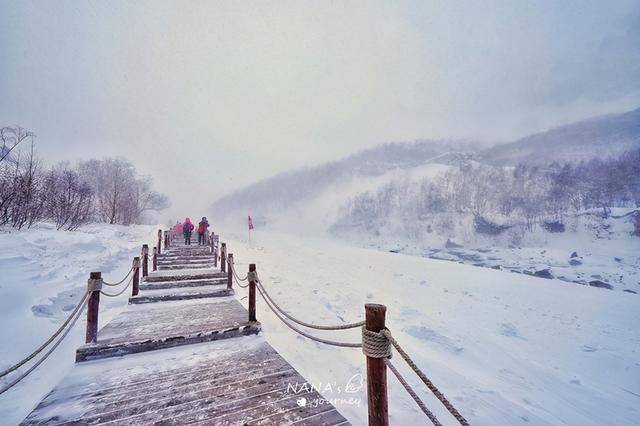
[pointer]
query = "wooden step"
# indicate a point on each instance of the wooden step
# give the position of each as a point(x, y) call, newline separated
point(242, 381)
point(182, 284)
point(190, 266)
point(182, 277)
point(147, 327)
point(186, 260)
point(188, 293)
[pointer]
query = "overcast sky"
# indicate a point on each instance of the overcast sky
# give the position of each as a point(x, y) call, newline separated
point(208, 96)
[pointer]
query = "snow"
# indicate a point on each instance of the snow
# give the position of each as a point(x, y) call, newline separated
point(505, 348)
point(44, 274)
point(605, 247)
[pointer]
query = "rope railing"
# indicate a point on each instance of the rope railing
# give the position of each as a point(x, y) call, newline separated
point(282, 311)
point(72, 319)
point(121, 281)
point(91, 299)
point(376, 345)
point(424, 378)
point(305, 334)
point(118, 293)
point(48, 341)
point(306, 324)
point(236, 277)
point(412, 393)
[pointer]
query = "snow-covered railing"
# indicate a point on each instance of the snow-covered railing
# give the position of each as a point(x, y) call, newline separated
point(376, 344)
point(90, 299)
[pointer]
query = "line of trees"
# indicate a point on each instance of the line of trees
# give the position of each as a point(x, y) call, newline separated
point(107, 190)
point(524, 195)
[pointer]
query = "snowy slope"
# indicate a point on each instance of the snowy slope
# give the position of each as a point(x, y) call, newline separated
point(318, 214)
point(43, 273)
point(508, 349)
point(598, 137)
point(296, 188)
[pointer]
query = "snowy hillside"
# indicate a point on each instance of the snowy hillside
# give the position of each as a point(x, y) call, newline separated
point(415, 197)
point(44, 274)
point(297, 187)
point(509, 349)
point(598, 137)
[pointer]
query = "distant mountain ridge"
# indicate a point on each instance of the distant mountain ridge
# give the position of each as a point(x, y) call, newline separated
point(602, 136)
point(293, 187)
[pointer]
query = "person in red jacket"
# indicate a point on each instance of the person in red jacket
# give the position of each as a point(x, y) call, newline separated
point(202, 231)
point(187, 229)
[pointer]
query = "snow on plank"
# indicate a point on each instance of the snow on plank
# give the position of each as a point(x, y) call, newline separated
point(160, 285)
point(185, 274)
point(154, 326)
point(239, 381)
point(169, 294)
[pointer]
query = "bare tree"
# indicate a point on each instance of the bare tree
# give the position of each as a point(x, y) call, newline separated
point(11, 137)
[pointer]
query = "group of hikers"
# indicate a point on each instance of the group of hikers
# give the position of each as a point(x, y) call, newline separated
point(186, 229)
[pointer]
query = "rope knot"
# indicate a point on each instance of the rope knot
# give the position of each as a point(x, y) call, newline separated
point(252, 276)
point(375, 344)
point(94, 284)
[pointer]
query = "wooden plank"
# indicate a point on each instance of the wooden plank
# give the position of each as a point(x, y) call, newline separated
point(191, 266)
point(183, 283)
point(155, 296)
point(241, 381)
point(189, 275)
point(154, 326)
point(162, 381)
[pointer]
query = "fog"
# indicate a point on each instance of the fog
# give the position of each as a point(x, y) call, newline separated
point(210, 96)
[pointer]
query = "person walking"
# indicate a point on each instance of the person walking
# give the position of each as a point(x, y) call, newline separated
point(187, 229)
point(202, 231)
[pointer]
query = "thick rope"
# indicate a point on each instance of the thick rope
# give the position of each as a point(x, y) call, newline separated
point(49, 352)
point(307, 335)
point(120, 292)
point(121, 281)
point(232, 266)
point(45, 344)
point(375, 344)
point(413, 394)
point(426, 380)
point(306, 324)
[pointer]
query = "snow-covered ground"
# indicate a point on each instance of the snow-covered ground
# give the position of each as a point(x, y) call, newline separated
point(506, 348)
point(606, 253)
point(43, 274)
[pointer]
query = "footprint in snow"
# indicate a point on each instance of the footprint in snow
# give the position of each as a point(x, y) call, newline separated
point(588, 348)
point(510, 330)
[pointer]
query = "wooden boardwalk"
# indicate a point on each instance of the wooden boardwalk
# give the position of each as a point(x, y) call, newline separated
point(182, 352)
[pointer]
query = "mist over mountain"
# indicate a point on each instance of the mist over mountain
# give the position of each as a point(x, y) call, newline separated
point(308, 191)
point(599, 137)
point(288, 189)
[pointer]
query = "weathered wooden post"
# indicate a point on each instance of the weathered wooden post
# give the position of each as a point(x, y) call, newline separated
point(376, 370)
point(166, 240)
point(159, 241)
point(230, 271)
point(155, 258)
point(223, 255)
point(252, 292)
point(214, 249)
point(94, 285)
point(145, 260)
point(136, 276)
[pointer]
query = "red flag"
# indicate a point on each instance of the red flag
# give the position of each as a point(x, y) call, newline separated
point(250, 222)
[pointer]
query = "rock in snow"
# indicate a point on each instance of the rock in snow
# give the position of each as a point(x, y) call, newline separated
point(600, 284)
point(544, 273)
